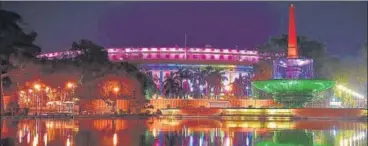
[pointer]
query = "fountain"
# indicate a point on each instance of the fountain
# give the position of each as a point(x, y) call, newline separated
point(293, 84)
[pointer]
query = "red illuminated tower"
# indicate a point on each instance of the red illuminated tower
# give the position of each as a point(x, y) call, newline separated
point(292, 40)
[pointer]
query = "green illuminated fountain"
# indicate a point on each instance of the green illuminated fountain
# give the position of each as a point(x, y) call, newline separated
point(293, 84)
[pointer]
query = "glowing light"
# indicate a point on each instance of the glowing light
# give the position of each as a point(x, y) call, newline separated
point(336, 103)
point(227, 141)
point(69, 85)
point(28, 137)
point(37, 87)
point(271, 125)
point(167, 53)
point(228, 88)
point(115, 139)
point(45, 139)
point(360, 136)
point(154, 132)
point(349, 91)
point(68, 142)
point(20, 136)
point(116, 89)
point(191, 141)
point(47, 89)
point(35, 140)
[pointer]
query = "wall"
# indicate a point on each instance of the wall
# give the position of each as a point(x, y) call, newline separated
point(100, 106)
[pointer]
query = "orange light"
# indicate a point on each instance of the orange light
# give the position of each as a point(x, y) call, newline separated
point(116, 89)
point(47, 89)
point(70, 85)
point(30, 90)
point(37, 87)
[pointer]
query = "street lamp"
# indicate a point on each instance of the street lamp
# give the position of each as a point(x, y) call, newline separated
point(70, 85)
point(37, 87)
point(116, 89)
point(47, 89)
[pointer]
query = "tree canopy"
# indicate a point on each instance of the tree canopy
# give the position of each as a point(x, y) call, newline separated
point(307, 48)
point(14, 41)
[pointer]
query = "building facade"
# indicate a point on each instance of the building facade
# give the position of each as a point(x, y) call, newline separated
point(162, 62)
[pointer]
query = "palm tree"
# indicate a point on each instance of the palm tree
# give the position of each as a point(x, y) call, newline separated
point(185, 75)
point(13, 41)
point(214, 79)
point(171, 86)
point(240, 86)
point(197, 81)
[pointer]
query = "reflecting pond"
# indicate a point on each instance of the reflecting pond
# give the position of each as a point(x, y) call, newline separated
point(183, 132)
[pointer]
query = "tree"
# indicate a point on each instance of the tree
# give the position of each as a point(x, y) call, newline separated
point(198, 80)
point(90, 52)
point(171, 85)
point(307, 48)
point(361, 72)
point(13, 41)
point(185, 75)
point(263, 71)
point(214, 79)
point(239, 86)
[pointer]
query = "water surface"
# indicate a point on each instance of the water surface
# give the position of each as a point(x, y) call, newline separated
point(188, 132)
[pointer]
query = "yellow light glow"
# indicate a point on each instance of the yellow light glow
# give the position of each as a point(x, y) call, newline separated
point(116, 89)
point(37, 87)
point(47, 89)
point(228, 88)
point(69, 85)
point(349, 91)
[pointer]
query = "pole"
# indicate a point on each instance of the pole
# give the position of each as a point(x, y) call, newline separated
point(185, 46)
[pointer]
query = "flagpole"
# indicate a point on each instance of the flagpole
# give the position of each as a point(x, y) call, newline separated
point(185, 46)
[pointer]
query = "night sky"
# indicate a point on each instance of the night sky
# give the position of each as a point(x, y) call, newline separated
point(341, 26)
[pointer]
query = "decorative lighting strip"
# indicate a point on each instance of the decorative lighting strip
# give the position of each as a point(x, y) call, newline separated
point(207, 54)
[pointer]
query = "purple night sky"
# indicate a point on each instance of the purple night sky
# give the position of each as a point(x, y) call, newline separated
point(341, 26)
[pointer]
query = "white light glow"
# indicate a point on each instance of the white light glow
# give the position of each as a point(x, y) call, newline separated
point(35, 140)
point(45, 139)
point(335, 103)
point(115, 139)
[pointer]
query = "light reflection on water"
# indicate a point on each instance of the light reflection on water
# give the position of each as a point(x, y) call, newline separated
point(194, 132)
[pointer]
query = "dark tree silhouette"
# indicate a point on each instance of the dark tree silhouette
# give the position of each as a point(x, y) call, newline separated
point(14, 42)
point(307, 48)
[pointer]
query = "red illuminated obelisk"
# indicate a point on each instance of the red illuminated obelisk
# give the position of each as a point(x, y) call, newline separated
point(292, 41)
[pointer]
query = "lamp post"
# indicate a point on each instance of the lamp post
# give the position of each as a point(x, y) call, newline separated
point(70, 85)
point(116, 91)
point(37, 87)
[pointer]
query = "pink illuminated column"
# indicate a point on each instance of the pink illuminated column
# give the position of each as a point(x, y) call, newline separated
point(292, 40)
